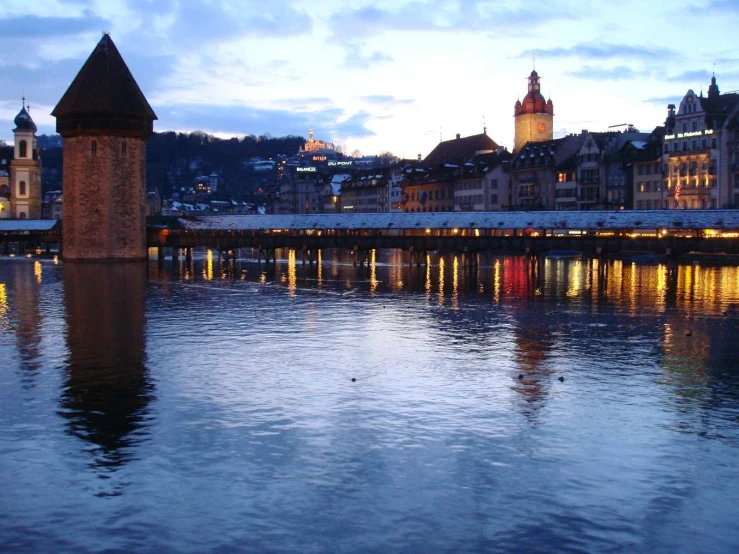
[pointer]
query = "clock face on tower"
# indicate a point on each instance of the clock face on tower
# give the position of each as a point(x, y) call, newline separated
point(541, 127)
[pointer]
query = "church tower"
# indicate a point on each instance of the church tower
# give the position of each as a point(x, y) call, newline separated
point(105, 120)
point(534, 116)
point(25, 169)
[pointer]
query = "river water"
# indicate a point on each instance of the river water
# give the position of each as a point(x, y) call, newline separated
point(330, 408)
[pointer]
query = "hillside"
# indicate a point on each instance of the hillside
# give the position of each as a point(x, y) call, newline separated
point(174, 160)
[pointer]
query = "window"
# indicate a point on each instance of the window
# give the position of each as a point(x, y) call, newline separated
point(23, 149)
point(694, 126)
point(685, 127)
point(94, 148)
point(22, 188)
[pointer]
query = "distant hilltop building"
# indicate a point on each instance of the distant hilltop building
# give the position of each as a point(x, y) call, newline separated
point(20, 171)
point(534, 116)
point(314, 145)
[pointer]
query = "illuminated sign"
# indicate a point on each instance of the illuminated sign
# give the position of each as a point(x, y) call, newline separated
point(344, 164)
point(306, 169)
point(688, 135)
point(319, 158)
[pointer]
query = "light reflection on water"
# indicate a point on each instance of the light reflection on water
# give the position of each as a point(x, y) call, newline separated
point(566, 406)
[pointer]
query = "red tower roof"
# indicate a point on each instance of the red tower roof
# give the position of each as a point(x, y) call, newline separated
point(534, 101)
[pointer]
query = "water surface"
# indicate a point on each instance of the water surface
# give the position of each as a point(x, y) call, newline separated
point(571, 407)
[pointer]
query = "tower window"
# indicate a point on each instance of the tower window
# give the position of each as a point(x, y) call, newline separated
point(94, 148)
point(22, 188)
point(23, 149)
point(124, 149)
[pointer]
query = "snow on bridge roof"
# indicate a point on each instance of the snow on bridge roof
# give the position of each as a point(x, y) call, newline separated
point(627, 219)
point(23, 225)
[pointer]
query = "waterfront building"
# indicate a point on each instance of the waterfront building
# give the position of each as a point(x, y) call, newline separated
point(53, 205)
point(367, 191)
point(20, 171)
point(105, 120)
point(533, 174)
point(699, 142)
point(534, 116)
point(430, 190)
point(647, 172)
point(430, 186)
point(395, 182)
point(300, 192)
point(483, 183)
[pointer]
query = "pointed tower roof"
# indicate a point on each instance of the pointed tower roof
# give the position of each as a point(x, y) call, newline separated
point(104, 98)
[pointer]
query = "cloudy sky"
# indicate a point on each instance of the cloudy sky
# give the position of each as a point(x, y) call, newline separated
point(375, 75)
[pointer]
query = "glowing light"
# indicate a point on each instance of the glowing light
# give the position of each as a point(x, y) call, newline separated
point(373, 272)
point(455, 284)
point(4, 308)
point(496, 280)
point(37, 271)
point(292, 273)
point(208, 269)
point(441, 281)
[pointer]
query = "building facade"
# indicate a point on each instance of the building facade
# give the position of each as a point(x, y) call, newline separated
point(698, 147)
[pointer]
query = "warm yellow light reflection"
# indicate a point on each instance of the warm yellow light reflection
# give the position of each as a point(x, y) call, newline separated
point(441, 281)
point(428, 277)
point(455, 283)
point(373, 272)
point(208, 268)
point(319, 268)
point(496, 280)
point(37, 270)
point(56, 260)
point(292, 273)
point(4, 323)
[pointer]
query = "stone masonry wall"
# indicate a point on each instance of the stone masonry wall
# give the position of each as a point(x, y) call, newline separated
point(104, 211)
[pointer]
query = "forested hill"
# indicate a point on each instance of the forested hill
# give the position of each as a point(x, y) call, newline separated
point(174, 159)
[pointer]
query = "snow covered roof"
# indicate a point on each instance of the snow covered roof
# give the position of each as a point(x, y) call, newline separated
point(627, 219)
point(13, 225)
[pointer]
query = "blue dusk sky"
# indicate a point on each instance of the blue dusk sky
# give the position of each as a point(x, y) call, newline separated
point(375, 75)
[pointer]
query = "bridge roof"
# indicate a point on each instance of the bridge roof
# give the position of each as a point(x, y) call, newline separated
point(23, 225)
point(627, 219)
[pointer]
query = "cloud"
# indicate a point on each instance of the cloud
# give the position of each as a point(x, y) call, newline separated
point(442, 15)
point(204, 21)
point(602, 52)
point(355, 58)
point(244, 120)
point(664, 100)
point(32, 26)
point(45, 82)
point(607, 74)
point(691, 76)
point(386, 100)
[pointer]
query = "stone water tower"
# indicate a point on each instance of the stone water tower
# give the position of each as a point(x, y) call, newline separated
point(105, 120)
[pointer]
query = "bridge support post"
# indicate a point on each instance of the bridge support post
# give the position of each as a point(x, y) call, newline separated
point(175, 255)
point(160, 255)
point(188, 256)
